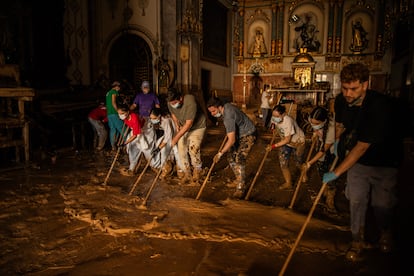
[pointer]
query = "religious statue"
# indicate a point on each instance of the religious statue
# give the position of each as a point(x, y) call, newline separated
point(307, 35)
point(258, 46)
point(359, 41)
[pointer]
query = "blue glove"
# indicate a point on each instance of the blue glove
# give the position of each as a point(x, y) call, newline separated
point(328, 177)
point(336, 147)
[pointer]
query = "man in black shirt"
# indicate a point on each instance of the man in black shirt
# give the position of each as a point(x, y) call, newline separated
point(373, 146)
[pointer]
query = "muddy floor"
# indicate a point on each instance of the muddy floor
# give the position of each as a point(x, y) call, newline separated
point(61, 218)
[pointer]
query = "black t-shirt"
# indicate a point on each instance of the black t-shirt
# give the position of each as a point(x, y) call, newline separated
point(374, 122)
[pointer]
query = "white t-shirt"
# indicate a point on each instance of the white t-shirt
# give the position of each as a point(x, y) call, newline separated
point(265, 100)
point(289, 126)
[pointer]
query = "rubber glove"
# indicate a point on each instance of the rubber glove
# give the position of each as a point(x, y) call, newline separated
point(328, 177)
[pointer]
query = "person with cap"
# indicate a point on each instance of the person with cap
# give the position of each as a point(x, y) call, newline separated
point(190, 121)
point(241, 136)
point(114, 123)
point(145, 101)
point(97, 117)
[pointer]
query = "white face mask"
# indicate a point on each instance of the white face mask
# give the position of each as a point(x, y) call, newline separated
point(276, 120)
point(122, 116)
point(217, 115)
point(317, 127)
point(176, 105)
point(155, 121)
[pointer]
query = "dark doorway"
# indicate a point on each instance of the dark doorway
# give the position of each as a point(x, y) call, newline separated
point(130, 61)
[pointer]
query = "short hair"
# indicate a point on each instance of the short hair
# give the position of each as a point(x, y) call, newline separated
point(319, 113)
point(355, 72)
point(123, 107)
point(215, 101)
point(173, 94)
point(280, 109)
point(156, 111)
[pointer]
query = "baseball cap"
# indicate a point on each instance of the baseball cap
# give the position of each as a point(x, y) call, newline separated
point(145, 84)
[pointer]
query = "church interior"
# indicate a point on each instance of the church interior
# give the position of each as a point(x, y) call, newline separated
point(60, 56)
point(58, 59)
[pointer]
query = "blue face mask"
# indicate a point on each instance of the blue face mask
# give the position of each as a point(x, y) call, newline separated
point(276, 120)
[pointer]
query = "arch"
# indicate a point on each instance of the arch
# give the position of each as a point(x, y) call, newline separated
point(130, 54)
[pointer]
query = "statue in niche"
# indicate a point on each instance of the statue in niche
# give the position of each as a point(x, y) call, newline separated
point(258, 46)
point(307, 37)
point(359, 41)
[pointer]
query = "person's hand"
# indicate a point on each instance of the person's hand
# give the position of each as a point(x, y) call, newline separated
point(336, 147)
point(269, 147)
point(217, 157)
point(328, 177)
point(155, 151)
point(306, 166)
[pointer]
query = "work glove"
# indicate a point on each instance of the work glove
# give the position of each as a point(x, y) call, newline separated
point(328, 177)
point(217, 157)
point(269, 147)
point(155, 151)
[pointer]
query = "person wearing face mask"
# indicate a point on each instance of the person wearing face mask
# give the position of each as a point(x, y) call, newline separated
point(145, 101)
point(241, 136)
point(138, 140)
point(373, 157)
point(163, 155)
point(323, 125)
point(292, 141)
point(190, 122)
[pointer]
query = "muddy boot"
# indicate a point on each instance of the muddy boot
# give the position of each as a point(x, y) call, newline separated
point(167, 170)
point(354, 253)
point(385, 242)
point(288, 180)
point(239, 193)
point(330, 199)
point(198, 175)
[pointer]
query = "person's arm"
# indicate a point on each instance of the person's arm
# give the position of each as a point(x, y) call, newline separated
point(133, 106)
point(318, 155)
point(183, 129)
point(231, 139)
point(353, 156)
point(114, 102)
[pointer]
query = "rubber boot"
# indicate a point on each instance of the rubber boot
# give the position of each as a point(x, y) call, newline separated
point(198, 175)
point(288, 180)
point(240, 189)
point(385, 242)
point(354, 253)
point(166, 169)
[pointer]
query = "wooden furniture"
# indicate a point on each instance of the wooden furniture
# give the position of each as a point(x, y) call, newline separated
point(12, 122)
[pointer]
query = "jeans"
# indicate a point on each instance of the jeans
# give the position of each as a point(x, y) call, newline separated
point(100, 131)
point(116, 127)
point(371, 184)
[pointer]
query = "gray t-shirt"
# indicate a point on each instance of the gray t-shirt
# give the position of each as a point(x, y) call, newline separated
point(237, 121)
point(189, 111)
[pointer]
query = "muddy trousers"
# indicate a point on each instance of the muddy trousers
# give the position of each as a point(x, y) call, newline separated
point(237, 158)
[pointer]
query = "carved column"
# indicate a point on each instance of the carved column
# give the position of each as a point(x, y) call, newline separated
point(331, 24)
point(338, 33)
point(279, 44)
